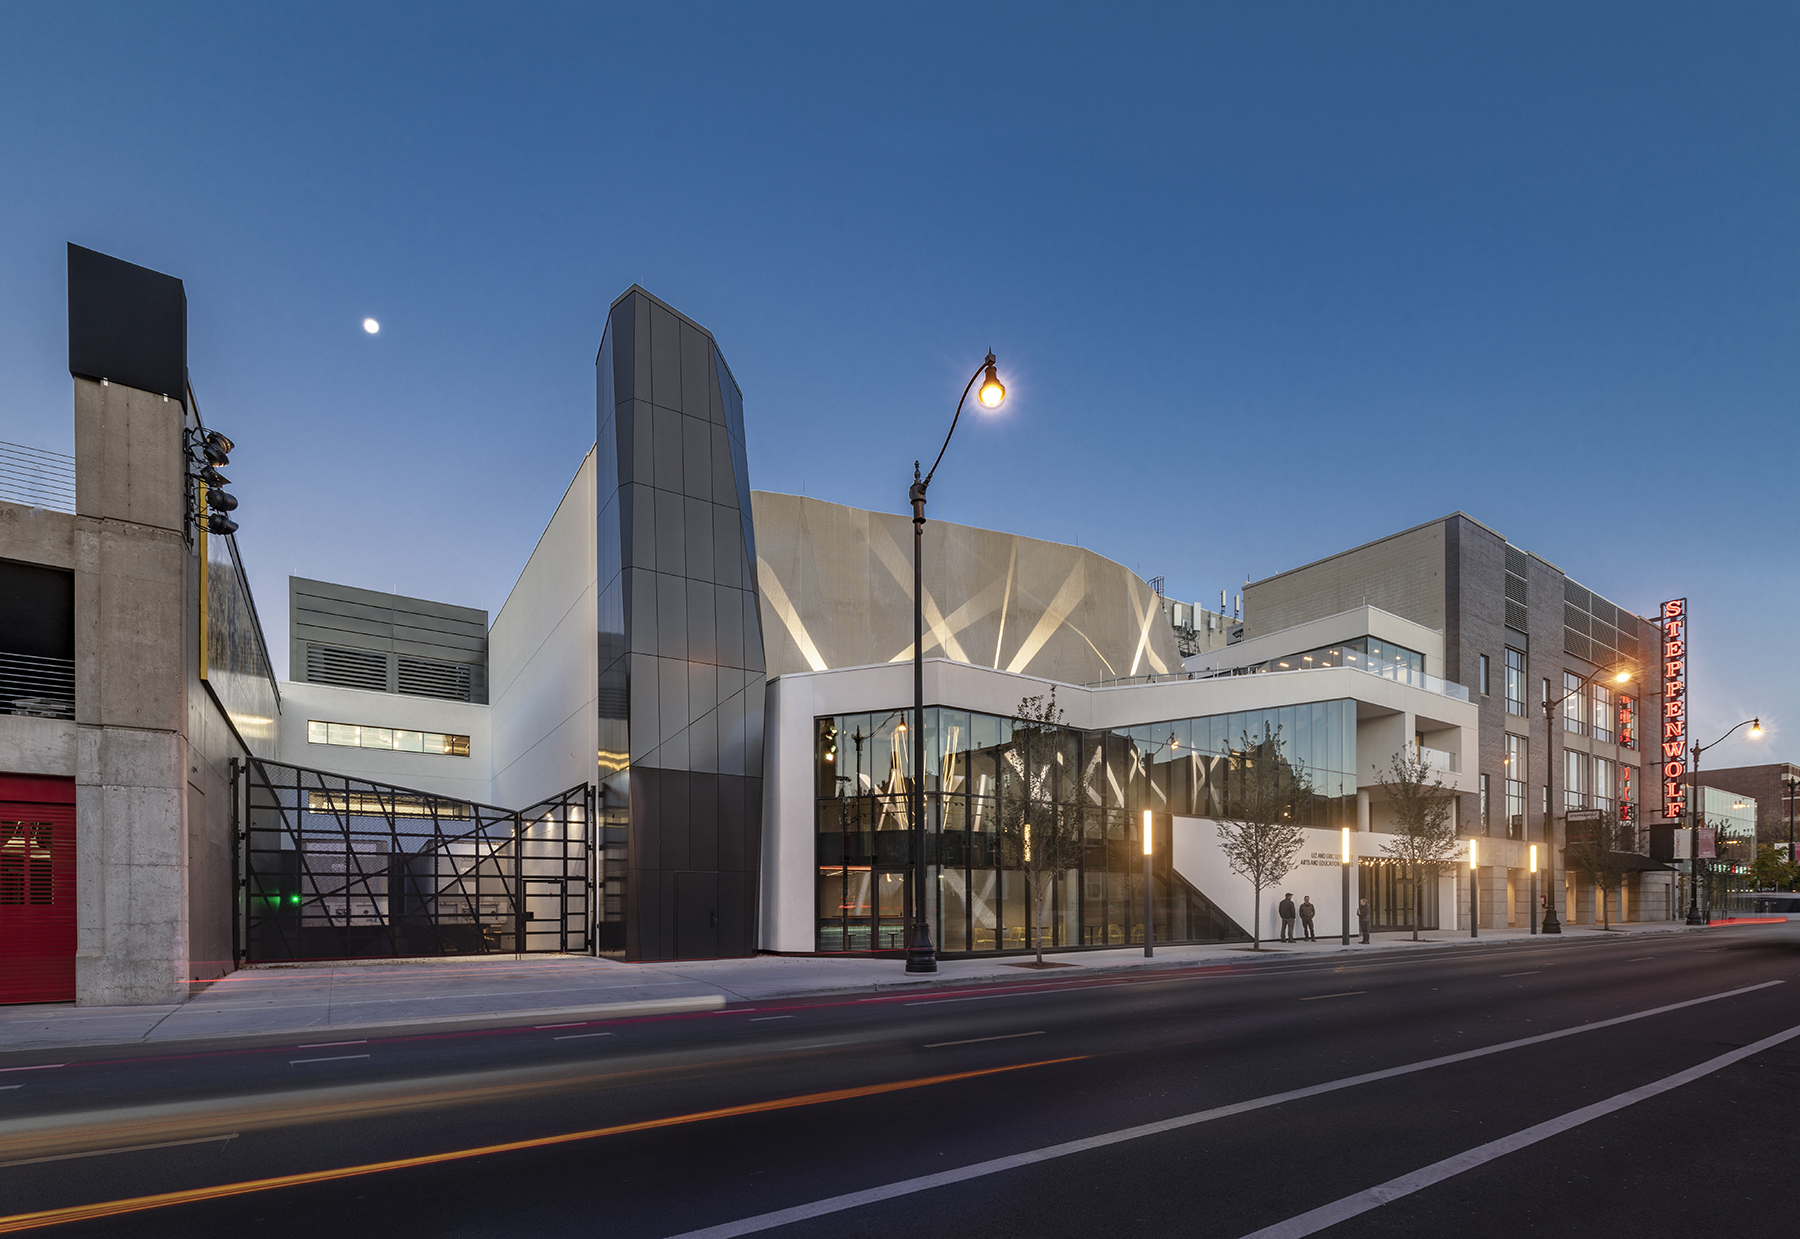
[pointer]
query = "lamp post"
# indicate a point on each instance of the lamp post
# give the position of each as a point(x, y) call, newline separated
point(1531, 862)
point(1344, 865)
point(921, 956)
point(1793, 789)
point(1474, 892)
point(1694, 916)
point(1621, 672)
point(1149, 894)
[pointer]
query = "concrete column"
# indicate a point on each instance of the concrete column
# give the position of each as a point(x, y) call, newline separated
point(130, 697)
point(1362, 810)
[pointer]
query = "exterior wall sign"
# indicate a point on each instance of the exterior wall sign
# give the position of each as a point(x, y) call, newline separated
point(1674, 711)
point(1627, 796)
point(1626, 726)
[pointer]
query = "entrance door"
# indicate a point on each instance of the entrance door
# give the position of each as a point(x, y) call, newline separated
point(696, 916)
point(546, 914)
point(37, 890)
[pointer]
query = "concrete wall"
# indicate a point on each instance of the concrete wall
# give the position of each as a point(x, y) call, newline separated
point(31, 535)
point(543, 661)
point(1402, 573)
point(837, 592)
point(1328, 630)
point(131, 584)
point(466, 778)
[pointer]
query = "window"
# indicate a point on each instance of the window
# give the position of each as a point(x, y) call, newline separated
point(1575, 779)
point(1575, 711)
point(1514, 786)
point(1603, 784)
point(355, 736)
point(1515, 681)
point(1484, 804)
point(1484, 675)
point(1603, 713)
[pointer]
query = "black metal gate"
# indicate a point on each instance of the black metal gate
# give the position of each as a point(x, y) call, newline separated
point(335, 867)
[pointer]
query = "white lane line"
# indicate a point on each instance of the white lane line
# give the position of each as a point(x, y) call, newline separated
point(1640, 959)
point(581, 1036)
point(1316, 1220)
point(1532, 973)
point(924, 1183)
point(820, 1045)
point(570, 1024)
point(36, 1067)
point(933, 1002)
point(9, 1087)
point(326, 1045)
point(1349, 993)
point(335, 1058)
point(127, 1148)
point(759, 1019)
point(972, 1040)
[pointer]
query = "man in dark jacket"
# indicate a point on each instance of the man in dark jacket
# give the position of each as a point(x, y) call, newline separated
point(1362, 919)
point(1307, 912)
point(1286, 911)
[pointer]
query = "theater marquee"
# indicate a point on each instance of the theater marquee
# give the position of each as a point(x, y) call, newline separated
point(1674, 711)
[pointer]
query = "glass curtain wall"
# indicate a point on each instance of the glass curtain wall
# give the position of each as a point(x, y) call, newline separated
point(977, 896)
point(1371, 654)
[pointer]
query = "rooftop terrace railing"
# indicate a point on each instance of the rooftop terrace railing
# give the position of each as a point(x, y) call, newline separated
point(1399, 674)
point(33, 476)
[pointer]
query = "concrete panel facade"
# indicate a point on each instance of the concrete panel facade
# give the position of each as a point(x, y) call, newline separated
point(31, 535)
point(1402, 574)
point(837, 592)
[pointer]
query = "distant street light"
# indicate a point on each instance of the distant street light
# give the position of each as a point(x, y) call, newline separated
point(1694, 917)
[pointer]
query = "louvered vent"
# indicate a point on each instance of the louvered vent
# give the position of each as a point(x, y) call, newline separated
point(1515, 561)
point(1515, 589)
point(1628, 647)
point(1604, 634)
point(1574, 617)
point(1517, 617)
point(422, 677)
point(1577, 646)
point(330, 664)
point(1575, 595)
point(1604, 611)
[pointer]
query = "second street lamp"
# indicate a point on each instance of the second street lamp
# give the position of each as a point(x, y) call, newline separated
point(1694, 915)
point(1620, 673)
point(921, 956)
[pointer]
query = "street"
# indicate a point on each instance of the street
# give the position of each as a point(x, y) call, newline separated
point(944, 1112)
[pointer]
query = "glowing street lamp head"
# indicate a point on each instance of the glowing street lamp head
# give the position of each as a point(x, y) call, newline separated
point(1346, 845)
point(1472, 860)
point(993, 391)
point(371, 326)
point(1622, 677)
point(1756, 729)
point(1146, 832)
point(1533, 861)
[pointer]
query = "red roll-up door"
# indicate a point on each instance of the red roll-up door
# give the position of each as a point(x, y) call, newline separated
point(37, 889)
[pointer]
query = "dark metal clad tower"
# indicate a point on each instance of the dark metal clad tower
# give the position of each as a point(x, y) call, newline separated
point(680, 640)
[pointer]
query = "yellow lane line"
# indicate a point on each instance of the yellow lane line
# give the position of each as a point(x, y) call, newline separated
point(111, 1208)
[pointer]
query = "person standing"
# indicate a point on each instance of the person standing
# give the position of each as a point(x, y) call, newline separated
point(1285, 909)
point(1362, 919)
point(1307, 912)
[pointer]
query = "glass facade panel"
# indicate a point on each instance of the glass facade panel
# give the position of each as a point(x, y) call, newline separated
point(1575, 704)
point(1602, 713)
point(1515, 681)
point(976, 887)
point(351, 735)
point(1514, 785)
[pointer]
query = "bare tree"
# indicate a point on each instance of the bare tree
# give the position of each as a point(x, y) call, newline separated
point(1042, 818)
point(1257, 831)
point(1602, 850)
point(1423, 832)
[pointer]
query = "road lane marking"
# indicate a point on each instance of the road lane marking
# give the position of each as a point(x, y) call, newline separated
point(936, 1045)
point(1316, 1220)
point(821, 1045)
point(1640, 959)
point(759, 1019)
point(137, 1204)
point(580, 1036)
point(325, 1045)
point(571, 1024)
point(1532, 973)
point(924, 1183)
point(126, 1148)
point(36, 1067)
point(335, 1058)
point(1349, 993)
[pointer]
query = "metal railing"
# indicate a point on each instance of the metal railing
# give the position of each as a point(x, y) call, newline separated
point(33, 476)
point(39, 687)
point(1401, 675)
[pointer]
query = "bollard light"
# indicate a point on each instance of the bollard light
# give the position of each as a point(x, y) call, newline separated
point(1532, 862)
point(1146, 832)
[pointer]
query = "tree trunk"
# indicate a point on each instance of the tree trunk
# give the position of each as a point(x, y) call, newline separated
point(1037, 902)
point(1418, 896)
point(1256, 920)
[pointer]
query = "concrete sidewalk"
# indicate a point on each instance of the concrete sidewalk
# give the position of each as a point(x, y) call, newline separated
point(329, 998)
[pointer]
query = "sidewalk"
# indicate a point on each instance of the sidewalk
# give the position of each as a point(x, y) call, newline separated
point(344, 996)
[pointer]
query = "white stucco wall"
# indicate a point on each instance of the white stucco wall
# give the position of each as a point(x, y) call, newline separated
point(467, 778)
point(542, 659)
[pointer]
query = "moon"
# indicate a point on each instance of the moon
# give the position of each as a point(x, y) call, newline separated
point(371, 326)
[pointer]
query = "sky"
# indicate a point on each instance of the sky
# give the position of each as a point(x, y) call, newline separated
point(1265, 281)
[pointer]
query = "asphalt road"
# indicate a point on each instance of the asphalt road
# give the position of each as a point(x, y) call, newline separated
point(1657, 1091)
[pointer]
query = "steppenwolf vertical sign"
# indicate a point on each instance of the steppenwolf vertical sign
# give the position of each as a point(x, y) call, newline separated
point(1674, 698)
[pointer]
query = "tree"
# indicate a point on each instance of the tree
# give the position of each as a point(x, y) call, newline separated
point(1257, 831)
point(1602, 850)
point(1423, 832)
point(1042, 818)
point(1772, 870)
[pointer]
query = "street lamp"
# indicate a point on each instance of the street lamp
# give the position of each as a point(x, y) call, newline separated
point(1149, 894)
point(1532, 863)
point(1793, 789)
point(921, 956)
point(1693, 916)
point(1474, 892)
point(1344, 867)
point(1619, 673)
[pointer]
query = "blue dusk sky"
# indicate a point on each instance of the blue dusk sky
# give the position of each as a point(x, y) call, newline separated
point(1266, 280)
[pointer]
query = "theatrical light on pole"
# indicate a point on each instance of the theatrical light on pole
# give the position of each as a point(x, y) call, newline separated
point(1344, 874)
point(1146, 832)
point(1533, 861)
point(1474, 893)
point(1531, 887)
